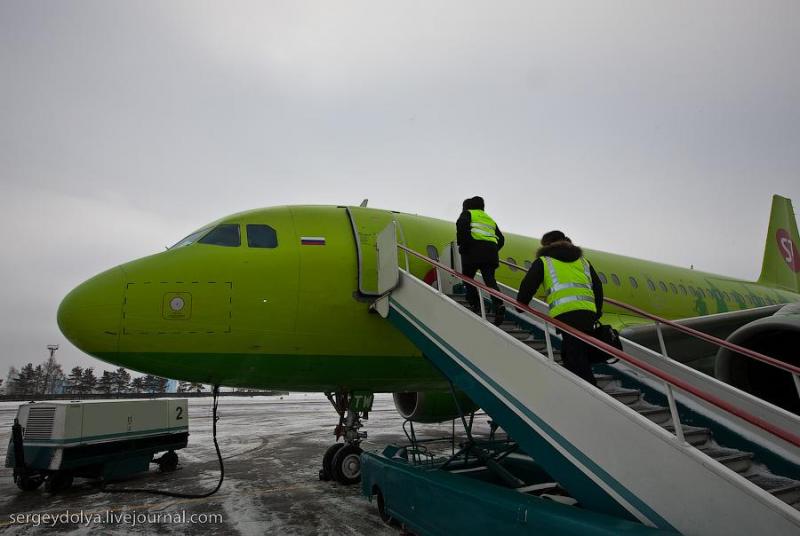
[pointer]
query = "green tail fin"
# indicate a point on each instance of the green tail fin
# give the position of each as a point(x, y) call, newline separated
point(781, 266)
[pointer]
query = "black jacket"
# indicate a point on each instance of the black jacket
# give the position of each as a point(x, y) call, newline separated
point(477, 251)
point(565, 252)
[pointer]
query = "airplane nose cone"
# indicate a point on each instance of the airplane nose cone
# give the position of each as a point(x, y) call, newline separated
point(90, 316)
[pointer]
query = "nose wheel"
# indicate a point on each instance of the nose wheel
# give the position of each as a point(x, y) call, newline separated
point(342, 461)
point(346, 465)
point(326, 473)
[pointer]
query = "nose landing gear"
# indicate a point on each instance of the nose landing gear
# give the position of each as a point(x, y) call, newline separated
point(342, 461)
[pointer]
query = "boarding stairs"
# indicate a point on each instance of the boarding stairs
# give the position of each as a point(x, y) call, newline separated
point(740, 461)
point(621, 449)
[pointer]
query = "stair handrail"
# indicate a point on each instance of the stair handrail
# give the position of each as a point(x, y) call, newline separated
point(667, 378)
point(752, 354)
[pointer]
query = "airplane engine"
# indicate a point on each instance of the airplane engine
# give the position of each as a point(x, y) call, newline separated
point(434, 406)
point(777, 336)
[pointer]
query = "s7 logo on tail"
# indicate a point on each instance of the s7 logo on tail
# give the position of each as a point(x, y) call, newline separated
point(788, 249)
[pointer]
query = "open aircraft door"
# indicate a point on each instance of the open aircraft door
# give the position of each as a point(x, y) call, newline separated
point(367, 224)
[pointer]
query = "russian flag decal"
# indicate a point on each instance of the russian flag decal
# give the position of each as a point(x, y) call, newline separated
point(312, 240)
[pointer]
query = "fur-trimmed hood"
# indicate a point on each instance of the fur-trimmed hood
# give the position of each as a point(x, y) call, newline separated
point(562, 250)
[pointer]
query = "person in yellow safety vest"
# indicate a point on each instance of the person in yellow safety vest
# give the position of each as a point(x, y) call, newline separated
point(479, 241)
point(574, 295)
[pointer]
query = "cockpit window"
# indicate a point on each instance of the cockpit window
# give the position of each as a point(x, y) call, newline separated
point(261, 236)
point(226, 234)
point(191, 239)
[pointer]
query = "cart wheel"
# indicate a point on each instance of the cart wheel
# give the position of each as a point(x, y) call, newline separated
point(168, 462)
point(326, 472)
point(29, 482)
point(385, 516)
point(346, 465)
point(58, 481)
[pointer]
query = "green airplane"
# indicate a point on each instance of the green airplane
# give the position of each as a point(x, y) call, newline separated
point(279, 298)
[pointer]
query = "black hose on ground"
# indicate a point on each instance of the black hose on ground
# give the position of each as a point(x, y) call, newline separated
point(187, 495)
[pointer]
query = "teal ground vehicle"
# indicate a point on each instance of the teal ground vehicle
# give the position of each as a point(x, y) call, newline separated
point(472, 494)
point(53, 442)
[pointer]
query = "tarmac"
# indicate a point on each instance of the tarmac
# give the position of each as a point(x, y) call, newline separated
point(272, 449)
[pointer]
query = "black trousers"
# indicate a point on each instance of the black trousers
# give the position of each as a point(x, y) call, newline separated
point(574, 352)
point(487, 271)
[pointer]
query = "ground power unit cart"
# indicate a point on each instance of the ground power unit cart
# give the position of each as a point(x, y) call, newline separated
point(53, 442)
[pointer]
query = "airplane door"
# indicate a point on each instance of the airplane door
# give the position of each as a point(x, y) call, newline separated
point(367, 224)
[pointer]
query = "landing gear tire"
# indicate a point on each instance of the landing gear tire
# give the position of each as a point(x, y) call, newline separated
point(346, 465)
point(168, 462)
point(58, 481)
point(325, 473)
point(29, 482)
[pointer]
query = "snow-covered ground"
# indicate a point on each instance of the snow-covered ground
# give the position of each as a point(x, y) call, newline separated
point(272, 448)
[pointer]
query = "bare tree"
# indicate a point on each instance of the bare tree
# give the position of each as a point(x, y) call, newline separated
point(12, 375)
point(52, 375)
point(38, 380)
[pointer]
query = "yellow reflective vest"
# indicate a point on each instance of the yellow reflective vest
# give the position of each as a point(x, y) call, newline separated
point(568, 286)
point(482, 226)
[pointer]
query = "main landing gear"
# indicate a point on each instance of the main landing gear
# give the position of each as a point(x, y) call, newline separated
point(342, 461)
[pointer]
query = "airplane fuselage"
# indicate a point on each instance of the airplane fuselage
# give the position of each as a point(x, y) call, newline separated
point(290, 311)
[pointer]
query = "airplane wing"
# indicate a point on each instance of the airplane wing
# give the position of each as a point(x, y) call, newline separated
point(685, 348)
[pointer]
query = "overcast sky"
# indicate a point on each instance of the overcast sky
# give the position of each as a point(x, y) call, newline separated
point(653, 129)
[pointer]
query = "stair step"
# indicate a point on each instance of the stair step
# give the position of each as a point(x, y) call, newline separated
point(541, 347)
point(735, 460)
point(519, 334)
point(658, 414)
point(538, 345)
point(788, 494)
point(506, 325)
point(626, 396)
point(694, 435)
point(785, 489)
point(461, 300)
point(606, 380)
